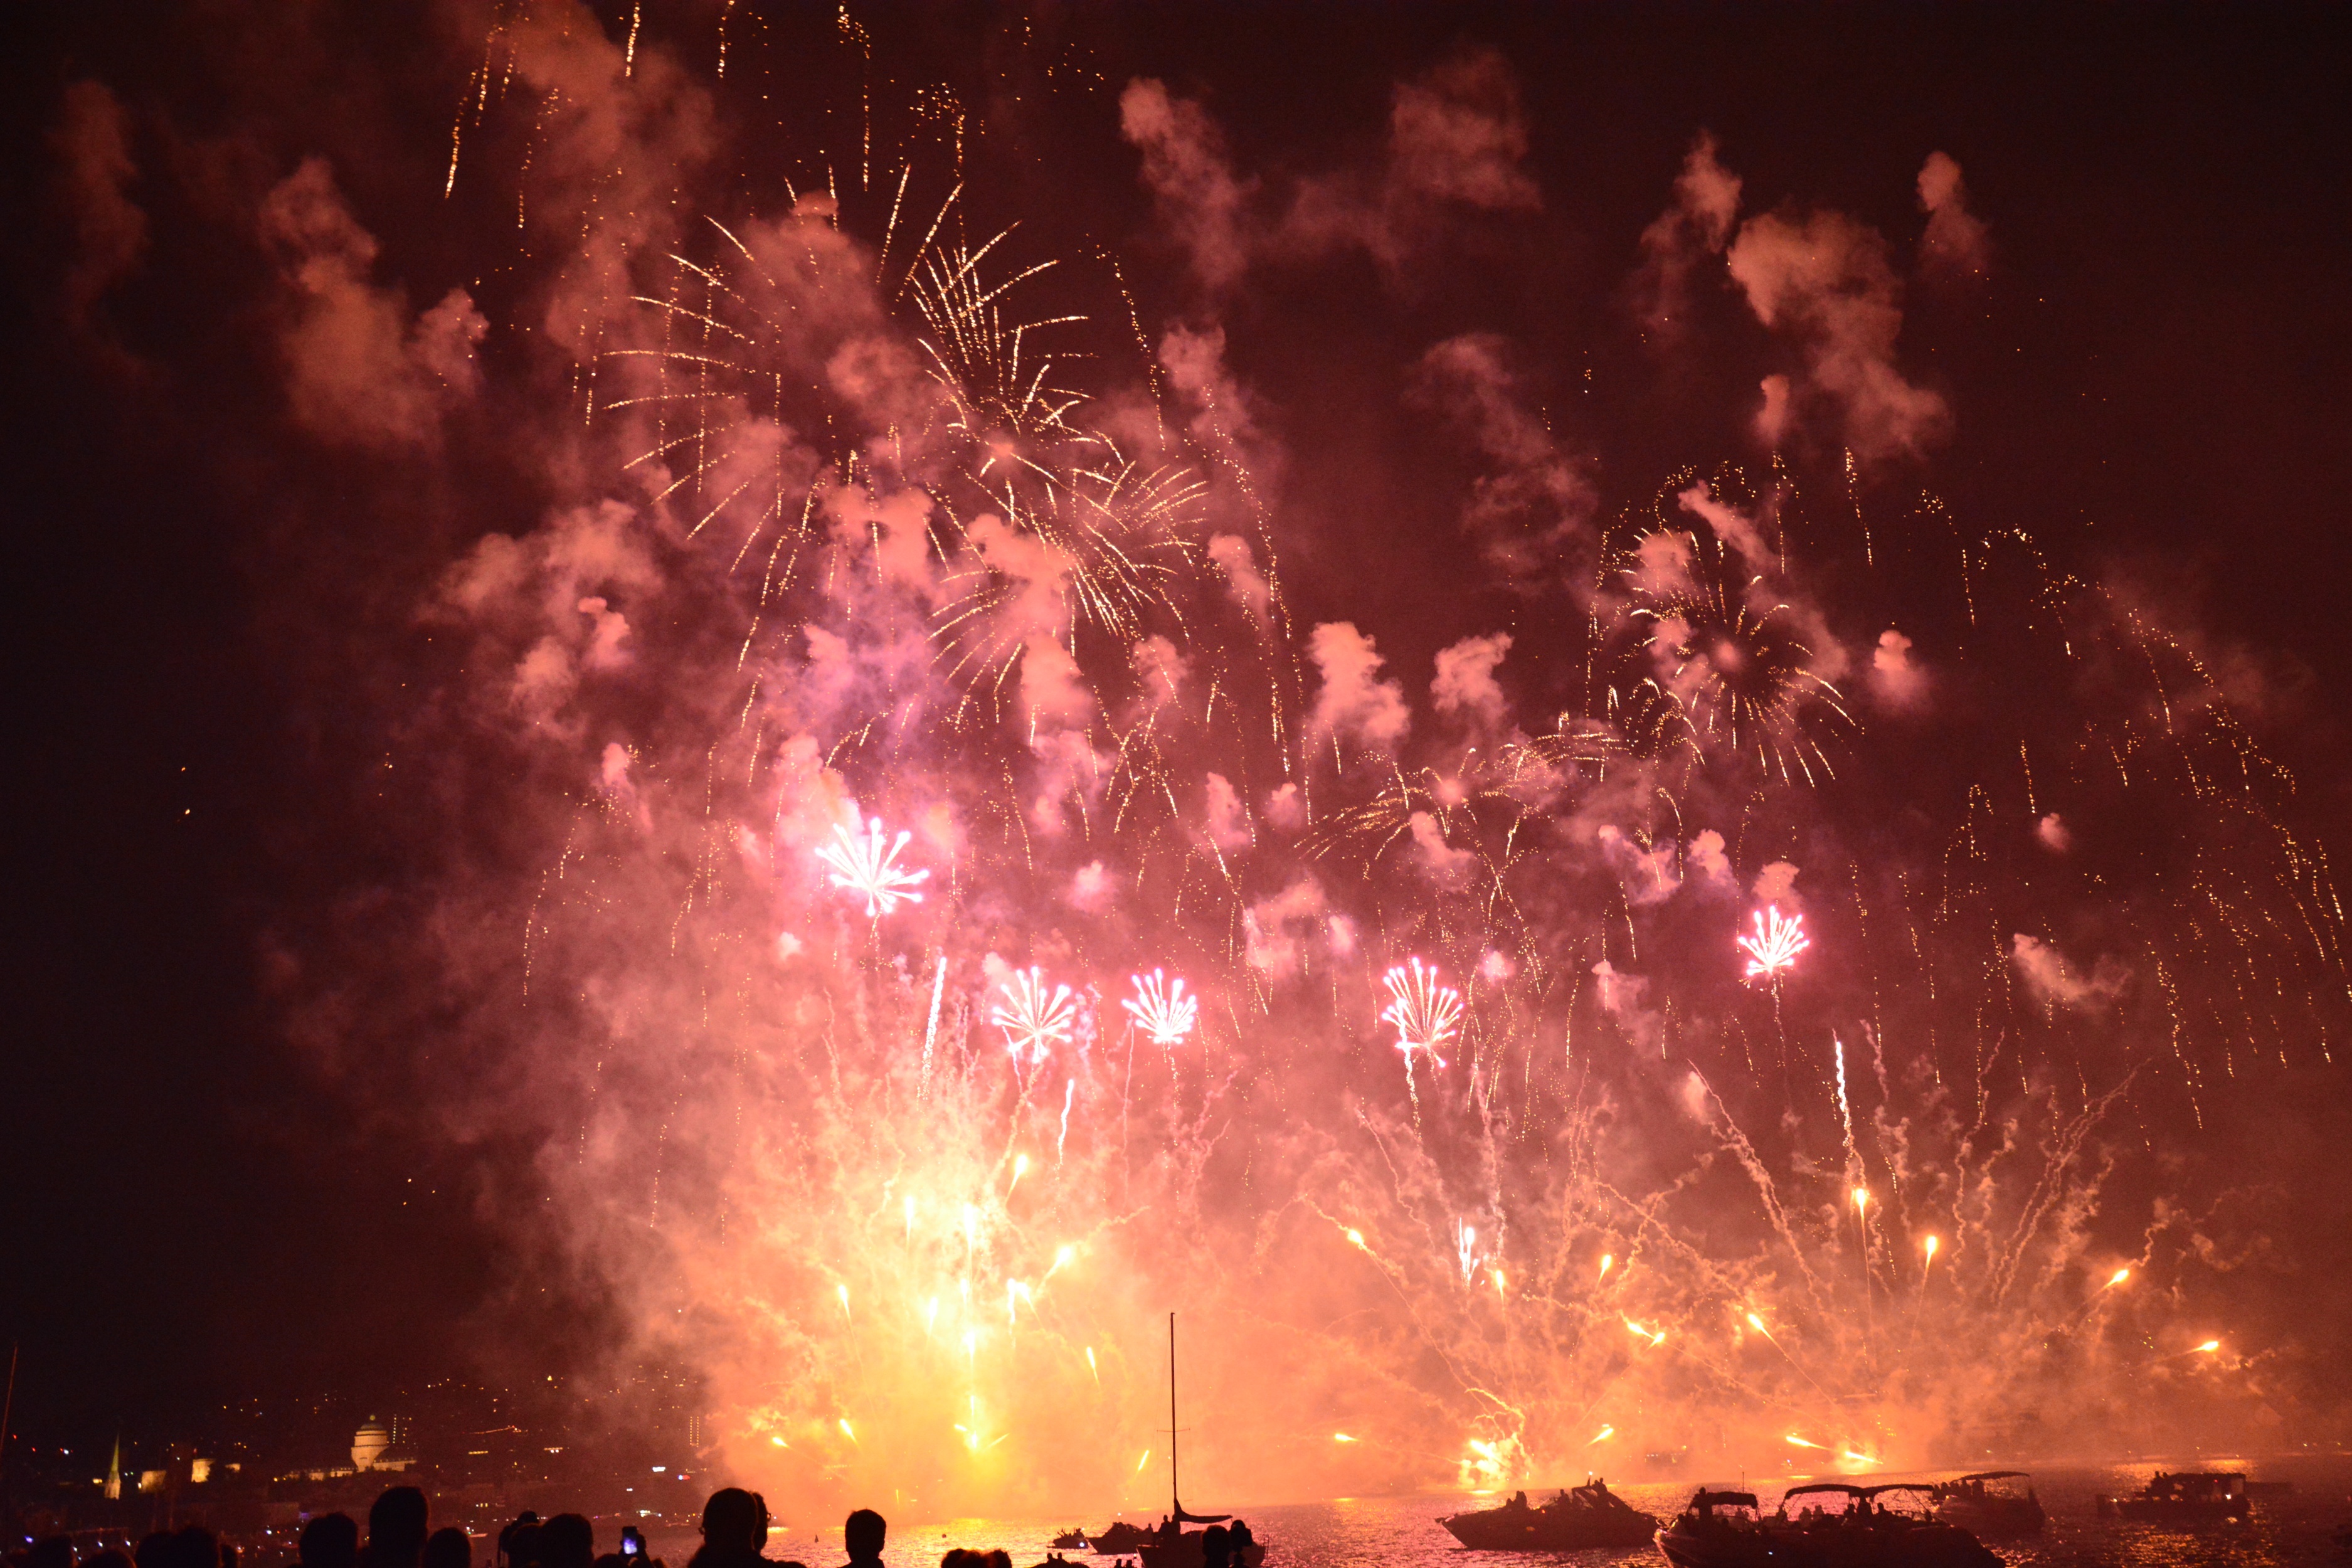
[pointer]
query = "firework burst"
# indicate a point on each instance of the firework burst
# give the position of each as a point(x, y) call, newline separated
point(1773, 945)
point(1425, 1014)
point(1160, 1007)
point(1035, 1021)
point(864, 866)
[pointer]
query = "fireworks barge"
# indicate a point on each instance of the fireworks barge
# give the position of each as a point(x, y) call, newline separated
point(1581, 1517)
point(1726, 1530)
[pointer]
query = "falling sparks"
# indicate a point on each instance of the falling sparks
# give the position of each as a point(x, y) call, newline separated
point(1343, 1438)
point(2118, 1278)
point(866, 868)
point(1773, 946)
point(1601, 1436)
point(1143, 1461)
point(1161, 1008)
point(2209, 1347)
point(1034, 1021)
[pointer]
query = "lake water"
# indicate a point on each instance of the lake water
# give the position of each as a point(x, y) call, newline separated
point(1358, 1532)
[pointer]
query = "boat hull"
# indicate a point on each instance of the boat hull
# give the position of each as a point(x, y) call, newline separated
point(1185, 1552)
point(1994, 1518)
point(1785, 1545)
point(1483, 1534)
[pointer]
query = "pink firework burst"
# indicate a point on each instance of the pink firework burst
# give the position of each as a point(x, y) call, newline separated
point(1773, 946)
point(1034, 1021)
point(1161, 1006)
point(1426, 1014)
point(868, 868)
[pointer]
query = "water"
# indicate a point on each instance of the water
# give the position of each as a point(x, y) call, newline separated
point(1359, 1532)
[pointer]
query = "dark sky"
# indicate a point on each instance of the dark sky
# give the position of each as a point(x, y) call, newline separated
point(2156, 379)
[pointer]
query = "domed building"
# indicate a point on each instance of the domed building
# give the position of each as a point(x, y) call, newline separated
point(369, 1444)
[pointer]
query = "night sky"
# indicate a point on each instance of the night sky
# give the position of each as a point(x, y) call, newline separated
point(213, 624)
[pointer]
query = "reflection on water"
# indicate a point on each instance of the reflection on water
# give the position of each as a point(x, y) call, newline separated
point(1360, 1532)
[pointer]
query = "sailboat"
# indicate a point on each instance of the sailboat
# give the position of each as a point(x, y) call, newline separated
point(1171, 1545)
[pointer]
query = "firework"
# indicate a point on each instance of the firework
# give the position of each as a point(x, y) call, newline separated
point(866, 868)
point(1034, 1022)
point(1425, 1014)
point(1161, 1008)
point(1772, 947)
point(1081, 681)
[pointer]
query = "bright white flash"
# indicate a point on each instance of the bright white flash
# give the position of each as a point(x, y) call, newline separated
point(868, 868)
point(1426, 1014)
point(1161, 1006)
point(1034, 1021)
point(1777, 941)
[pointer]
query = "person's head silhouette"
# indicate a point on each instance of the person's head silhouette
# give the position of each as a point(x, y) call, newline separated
point(329, 1541)
point(397, 1525)
point(735, 1520)
point(448, 1547)
point(567, 1541)
point(862, 1534)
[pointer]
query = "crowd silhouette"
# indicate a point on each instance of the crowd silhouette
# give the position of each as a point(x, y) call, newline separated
point(735, 1531)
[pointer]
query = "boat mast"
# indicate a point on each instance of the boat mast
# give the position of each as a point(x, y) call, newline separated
point(1175, 1492)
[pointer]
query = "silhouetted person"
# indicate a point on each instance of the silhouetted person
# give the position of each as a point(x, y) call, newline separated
point(154, 1549)
point(518, 1542)
point(194, 1546)
point(567, 1541)
point(1242, 1541)
point(449, 1548)
point(112, 1557)
point(861, 1535)
point(51, 1551)
point(734, 1530)
point(1216, 1547)
point(396, 1529)
point(329, 1541)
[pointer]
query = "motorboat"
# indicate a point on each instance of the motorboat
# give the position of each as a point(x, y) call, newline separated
point(1723, 1530)
point(2187, 1498)
point(1118, 1538)
point(1726, 1530)
point(1986, 1510)
point(1580, 1517)
point(1868, 1531)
